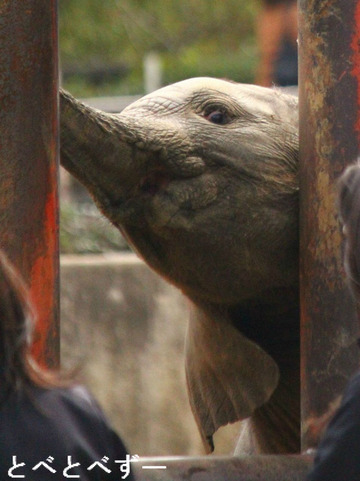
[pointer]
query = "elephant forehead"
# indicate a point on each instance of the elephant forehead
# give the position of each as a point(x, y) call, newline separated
point(176, 97)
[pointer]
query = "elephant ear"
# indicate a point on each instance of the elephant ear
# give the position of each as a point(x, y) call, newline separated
point(228, 376)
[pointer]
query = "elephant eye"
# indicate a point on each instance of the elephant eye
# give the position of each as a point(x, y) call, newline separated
point(217, 116)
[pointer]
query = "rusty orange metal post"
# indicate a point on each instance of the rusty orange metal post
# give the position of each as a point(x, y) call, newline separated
point(329, 96)
point(28, 157)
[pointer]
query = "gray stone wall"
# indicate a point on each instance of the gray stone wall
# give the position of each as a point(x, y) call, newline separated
point(125, 328)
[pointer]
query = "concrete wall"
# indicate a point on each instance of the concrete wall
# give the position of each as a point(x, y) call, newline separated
point(126, 328)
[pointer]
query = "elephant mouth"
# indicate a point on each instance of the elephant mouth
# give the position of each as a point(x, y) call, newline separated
point(154, 182)
point(162, 170)
point(158, 190)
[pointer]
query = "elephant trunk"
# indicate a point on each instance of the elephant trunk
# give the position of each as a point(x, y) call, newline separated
point(96, 148)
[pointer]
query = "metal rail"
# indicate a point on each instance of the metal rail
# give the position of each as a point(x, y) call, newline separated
point(329, 97)
point(224, 468)
point(28, 157)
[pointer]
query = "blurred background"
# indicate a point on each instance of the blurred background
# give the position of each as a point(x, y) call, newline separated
point(105, 45)
point(123, 325)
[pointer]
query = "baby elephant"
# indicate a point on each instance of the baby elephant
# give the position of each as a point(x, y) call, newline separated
point(201, 179)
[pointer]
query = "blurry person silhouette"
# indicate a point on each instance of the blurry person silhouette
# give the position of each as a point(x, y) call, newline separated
point(337, 458)
point(50, 429)
point(276, 31)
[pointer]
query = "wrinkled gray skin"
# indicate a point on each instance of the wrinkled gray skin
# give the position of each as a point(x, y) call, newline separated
point(201, 178)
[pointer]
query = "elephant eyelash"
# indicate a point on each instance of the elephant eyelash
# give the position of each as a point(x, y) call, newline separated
point(217, 114)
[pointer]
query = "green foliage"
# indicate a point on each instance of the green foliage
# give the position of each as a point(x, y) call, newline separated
point(83, 230)
point(194, 38)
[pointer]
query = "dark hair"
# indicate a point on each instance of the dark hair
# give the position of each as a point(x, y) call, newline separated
point(18, 369)
point(349, 208)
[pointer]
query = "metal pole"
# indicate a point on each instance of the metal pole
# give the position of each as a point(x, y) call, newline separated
point(225, 468)
point(28, 157)
point(329, 96)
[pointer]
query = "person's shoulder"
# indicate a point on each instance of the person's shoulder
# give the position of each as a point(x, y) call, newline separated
point(77, 395)
point(79, 400)
point(353, 386)
point(79, 392)
point(350, 402)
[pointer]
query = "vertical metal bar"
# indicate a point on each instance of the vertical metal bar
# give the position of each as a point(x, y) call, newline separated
point(329, 96)
point(28, 157)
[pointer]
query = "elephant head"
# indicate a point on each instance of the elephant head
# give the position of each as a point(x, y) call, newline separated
point(201, 179)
